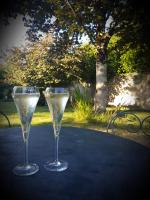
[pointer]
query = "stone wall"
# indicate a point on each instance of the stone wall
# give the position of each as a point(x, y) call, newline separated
point(130, 90)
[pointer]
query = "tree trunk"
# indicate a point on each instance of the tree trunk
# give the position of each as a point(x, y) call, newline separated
point(101, 94)
point(101, 87)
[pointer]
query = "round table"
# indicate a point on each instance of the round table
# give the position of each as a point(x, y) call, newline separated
point(101, 166)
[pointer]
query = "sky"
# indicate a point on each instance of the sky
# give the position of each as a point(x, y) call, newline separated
point(13, 34)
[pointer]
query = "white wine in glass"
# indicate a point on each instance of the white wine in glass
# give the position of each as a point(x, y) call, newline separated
point(25, 99)
point(56, 98)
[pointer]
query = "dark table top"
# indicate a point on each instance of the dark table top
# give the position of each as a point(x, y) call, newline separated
point(101, 166)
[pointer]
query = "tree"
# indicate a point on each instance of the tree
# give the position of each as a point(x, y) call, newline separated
point(127, 58)
point(15, 67)
point(74, 19)
point(99, 19)
point(40, 64)
point(80, 63)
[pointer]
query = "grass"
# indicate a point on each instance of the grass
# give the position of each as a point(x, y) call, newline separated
point(96, 122)
point(42, 116)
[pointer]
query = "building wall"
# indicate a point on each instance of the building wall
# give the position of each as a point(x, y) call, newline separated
point(130, 90)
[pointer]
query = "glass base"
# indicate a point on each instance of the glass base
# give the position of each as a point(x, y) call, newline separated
point(26, 170)
point(56, 166)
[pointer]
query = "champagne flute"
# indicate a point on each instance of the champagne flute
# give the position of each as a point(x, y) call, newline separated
point(25, 99)
point(56, 98)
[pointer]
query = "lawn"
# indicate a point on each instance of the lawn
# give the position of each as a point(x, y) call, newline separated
point(42, 116)
point(98, 122)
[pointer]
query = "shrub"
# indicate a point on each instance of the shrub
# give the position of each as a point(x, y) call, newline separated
point(83, 107)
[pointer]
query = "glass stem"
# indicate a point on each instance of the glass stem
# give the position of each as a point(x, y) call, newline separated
point(26, 152)
point(56, 148)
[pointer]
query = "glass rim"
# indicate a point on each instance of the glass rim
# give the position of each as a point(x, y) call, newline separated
point(56, 87)
point(56, 90)
point(21, 86)
point(25, 90)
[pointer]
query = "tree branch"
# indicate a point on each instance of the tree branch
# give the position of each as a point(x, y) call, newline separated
point(79, 20)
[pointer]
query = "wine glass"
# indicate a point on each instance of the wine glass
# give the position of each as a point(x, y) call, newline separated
point(56, 98)
point(25, 99)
